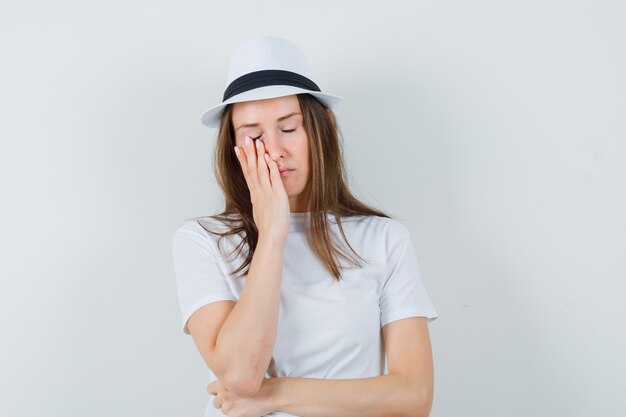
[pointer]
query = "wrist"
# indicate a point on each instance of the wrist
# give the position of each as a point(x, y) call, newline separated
point(271, 394)
point(272, 240)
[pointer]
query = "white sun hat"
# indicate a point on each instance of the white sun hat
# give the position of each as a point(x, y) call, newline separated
point(267, 67)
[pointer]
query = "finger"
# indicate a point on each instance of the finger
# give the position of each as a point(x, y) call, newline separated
point(211, 388)
point(245, 166)
point(217, 402)
point(253, 174)
point(274, 172)
point(241, 157)
point(264, 175)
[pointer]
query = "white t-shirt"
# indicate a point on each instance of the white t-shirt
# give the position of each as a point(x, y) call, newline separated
point(326, 328)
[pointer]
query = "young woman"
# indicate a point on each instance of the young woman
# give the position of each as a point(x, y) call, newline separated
point(301, 299)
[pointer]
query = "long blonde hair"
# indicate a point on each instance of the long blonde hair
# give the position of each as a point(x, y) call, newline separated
point(327, 187)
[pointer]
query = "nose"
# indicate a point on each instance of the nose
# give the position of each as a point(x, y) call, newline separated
point(272, 145)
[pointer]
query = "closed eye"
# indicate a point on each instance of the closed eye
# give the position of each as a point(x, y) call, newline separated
point(286, 131)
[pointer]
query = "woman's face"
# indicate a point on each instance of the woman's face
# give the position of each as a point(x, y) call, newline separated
point(277, 122)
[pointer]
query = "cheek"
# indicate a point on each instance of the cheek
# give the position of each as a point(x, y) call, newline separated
point(303, 158)
point(302, 149)
point(240, 142)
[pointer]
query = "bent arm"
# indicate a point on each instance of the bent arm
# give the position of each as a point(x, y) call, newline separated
point(407, 389)
point(385, 395)
point(246, 340)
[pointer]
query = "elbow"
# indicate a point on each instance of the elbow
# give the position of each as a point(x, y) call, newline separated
point(248, 380)
point(241, 385)
point(421, 405)
point(240, 380)
point(250, 387)
point(246, 387)
point(417, 398)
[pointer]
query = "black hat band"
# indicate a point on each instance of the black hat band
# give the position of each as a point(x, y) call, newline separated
point(264, 78)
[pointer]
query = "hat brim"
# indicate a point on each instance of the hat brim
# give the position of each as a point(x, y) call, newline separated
point(211, 116)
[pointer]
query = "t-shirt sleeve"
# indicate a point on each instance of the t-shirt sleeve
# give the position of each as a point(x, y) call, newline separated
point(199, 279)
point(403, 294)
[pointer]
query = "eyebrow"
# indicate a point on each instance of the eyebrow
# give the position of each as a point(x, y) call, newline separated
point(280, 119)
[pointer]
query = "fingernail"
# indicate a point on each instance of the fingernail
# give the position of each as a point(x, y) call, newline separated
point(247, 141)
point(258, 144)
point(237, 150)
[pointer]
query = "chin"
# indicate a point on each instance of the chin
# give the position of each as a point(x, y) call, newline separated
point(291, 192)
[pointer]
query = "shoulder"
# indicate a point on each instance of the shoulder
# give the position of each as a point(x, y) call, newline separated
point(206, 234)
point(387, 227)
point(202, 226)
point(186, 226)
point(190, 237)
point(198, 230)
point(189, 227)
point(397, 229)
point(383, 235)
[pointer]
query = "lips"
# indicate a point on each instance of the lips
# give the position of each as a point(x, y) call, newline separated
point(284, 169)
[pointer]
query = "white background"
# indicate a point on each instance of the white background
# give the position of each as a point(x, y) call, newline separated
point(494, 130)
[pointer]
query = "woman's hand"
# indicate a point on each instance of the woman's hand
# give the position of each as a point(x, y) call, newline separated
point(270, 203)
point(232, 405)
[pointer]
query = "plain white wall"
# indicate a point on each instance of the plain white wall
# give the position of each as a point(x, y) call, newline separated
point(494, 130)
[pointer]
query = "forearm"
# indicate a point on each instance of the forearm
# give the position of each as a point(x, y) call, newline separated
point(246, 340)
point(385, 395)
